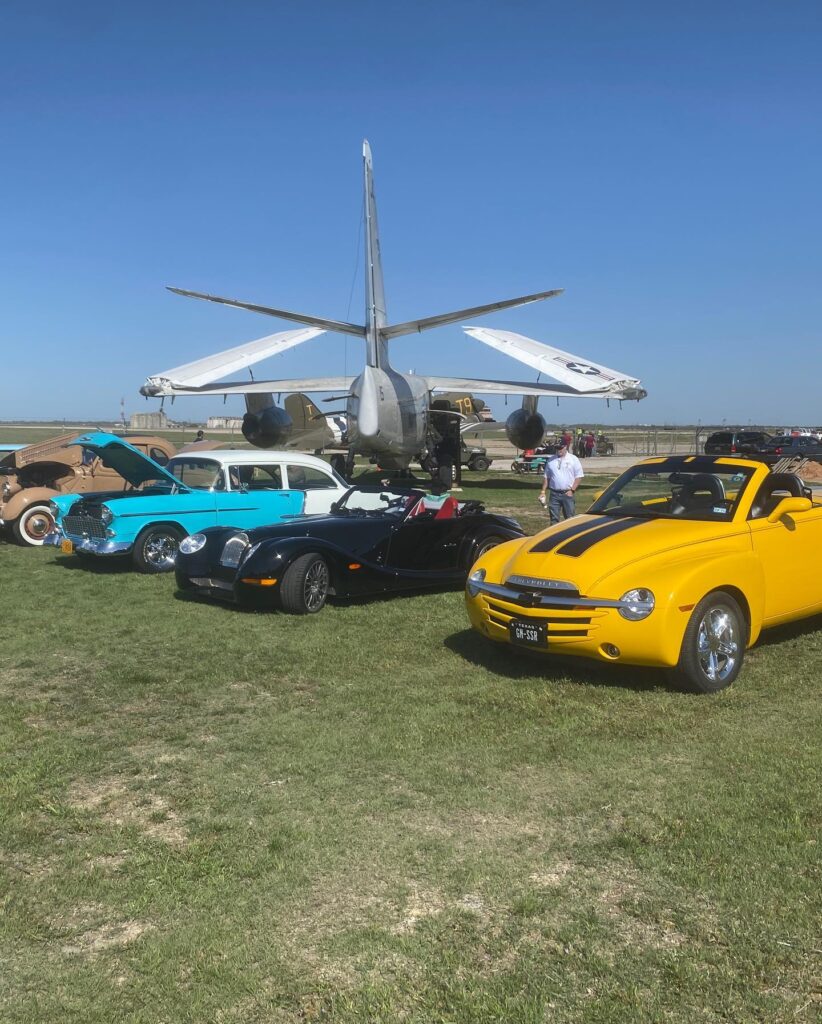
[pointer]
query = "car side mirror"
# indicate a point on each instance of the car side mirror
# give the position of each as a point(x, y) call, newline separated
point(788, 505)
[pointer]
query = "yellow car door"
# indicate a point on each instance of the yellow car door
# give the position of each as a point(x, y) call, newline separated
point(788, 551)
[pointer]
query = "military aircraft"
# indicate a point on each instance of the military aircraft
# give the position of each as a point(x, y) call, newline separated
point(389, 413)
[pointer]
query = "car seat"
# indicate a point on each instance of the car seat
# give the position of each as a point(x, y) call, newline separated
point(701, 491)
point(774, 488)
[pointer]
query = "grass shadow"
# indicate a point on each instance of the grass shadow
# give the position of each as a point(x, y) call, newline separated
point(100, 566)
point(524, 664)
point(788, 631)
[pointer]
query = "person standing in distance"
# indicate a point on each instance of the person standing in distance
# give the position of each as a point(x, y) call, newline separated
point(563, 473)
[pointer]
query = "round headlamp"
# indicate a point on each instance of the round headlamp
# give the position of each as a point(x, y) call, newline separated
point(233, 550)
point(477, 576)
point(106, 514)
point(189, 545)
point(637, 604)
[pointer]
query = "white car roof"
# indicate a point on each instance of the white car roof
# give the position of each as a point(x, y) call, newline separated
point(258, 456)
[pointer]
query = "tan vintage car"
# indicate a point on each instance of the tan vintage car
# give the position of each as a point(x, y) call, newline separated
point(33, 475)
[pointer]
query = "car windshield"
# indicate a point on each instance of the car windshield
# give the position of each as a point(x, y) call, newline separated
point(684, 491)
point(199, 474)
point(377, 501)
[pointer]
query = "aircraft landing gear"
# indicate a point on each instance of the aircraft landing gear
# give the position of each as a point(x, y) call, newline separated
point(349, 467)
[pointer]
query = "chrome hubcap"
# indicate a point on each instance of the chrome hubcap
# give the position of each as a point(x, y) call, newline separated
point(315, 586)
point(161, 550)
point(717, 643)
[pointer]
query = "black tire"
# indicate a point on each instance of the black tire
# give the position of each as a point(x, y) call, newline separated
point(483, 545)
point(713, 647)
point(479, 464)
point(155, 550)
point(305, 585)
point(32, 525)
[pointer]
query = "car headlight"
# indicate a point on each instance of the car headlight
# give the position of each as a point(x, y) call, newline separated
point(637, 604)
point(233, 550)
point(477, 576)
point(53, 509)
point(197, 541)
point(106, 514)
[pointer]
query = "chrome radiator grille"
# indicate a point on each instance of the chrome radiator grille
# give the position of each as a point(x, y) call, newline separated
point(83, 526)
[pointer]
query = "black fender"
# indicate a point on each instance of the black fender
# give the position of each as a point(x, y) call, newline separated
point(273, 557)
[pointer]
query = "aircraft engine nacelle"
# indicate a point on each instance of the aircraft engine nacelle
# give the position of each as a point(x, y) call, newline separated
point(267, 428)
point(525, 429)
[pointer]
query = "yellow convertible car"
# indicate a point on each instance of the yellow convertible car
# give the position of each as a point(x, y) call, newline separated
point(680, 563)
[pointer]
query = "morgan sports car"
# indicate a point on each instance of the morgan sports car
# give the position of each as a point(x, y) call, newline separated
point(680, 564)
point(375, 540)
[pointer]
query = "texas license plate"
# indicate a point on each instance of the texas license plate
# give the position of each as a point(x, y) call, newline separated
point(528, 633)
point(67, 547)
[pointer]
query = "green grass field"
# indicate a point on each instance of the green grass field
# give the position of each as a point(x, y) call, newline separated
point(211, 815)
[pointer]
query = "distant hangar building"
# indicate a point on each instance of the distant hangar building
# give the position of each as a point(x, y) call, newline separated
point(224, 423)
point(150, 421)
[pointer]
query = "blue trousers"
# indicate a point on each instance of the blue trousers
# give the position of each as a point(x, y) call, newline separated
point(560, 506)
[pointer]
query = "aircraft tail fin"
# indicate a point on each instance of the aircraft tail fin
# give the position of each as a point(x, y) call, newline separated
point(375, 311)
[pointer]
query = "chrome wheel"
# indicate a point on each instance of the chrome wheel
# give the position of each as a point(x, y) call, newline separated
point(718, 643)
point(315, 586)
point(156, 550)
point(714, 643)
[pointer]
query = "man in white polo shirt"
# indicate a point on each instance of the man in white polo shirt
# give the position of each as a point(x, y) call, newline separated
point(563, 473)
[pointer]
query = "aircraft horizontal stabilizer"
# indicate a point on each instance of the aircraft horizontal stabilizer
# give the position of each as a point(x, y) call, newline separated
point(416, 326)
point(582, 375)
point(211, 368)
point(262, 387)
point(302, 318)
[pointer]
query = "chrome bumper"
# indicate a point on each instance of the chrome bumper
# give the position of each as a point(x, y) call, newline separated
point(89, 545)
point(547, 600)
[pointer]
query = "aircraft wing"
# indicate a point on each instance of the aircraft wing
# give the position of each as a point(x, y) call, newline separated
point(264, 387)
point(582, 375)
point(509, 387)
point(285, 314)
point(211, 368)
point(417, 326)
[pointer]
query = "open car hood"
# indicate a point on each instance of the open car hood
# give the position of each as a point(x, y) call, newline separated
point(123, 458)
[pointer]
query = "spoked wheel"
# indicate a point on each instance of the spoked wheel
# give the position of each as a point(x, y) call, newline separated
point(483, 547)
point(156, 549)
point(713, 647)
point(305, 585)
point(33, 525)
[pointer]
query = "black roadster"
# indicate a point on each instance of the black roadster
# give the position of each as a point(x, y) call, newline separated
point(375, 540)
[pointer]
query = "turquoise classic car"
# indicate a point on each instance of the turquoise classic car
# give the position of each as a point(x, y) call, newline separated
point(195, 490)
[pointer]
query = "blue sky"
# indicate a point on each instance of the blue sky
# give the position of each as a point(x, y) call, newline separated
point(662, 163)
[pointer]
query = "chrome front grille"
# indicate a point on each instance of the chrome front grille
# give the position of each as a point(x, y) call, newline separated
point(83, 526)
point(560, 622)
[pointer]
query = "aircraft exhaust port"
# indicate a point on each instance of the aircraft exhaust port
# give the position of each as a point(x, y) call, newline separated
point(609, 651)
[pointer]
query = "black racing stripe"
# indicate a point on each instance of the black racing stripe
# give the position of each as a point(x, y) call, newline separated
point(549, 543)
point(577, 547)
